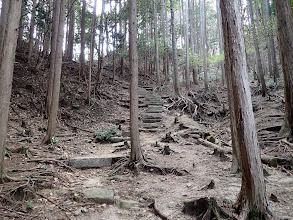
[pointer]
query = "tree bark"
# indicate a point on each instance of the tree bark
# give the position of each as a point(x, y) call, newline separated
point(71, 31)
point(163, 26)
point(157, 59)
point(203, 42)
point(174, 53)
point(21, 27)
point(135, 154)
point(114, 42)
point(276, 73)
point(285, 24)
point(257, 51)
point(252, 201)
point(56, 15)
point(187, 74)
point(92, 50)
point(31, 35)
point(101, 43)
point(60, 8)
point(221, 44)
point(9, 21)
point(265, 11)
point(121, 40)
point(82, 43)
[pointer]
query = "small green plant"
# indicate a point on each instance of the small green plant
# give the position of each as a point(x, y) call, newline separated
point(54, 140)
point(105, 135)
point(29, 204)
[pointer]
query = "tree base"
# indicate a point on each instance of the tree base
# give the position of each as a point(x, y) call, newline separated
point(205, 209)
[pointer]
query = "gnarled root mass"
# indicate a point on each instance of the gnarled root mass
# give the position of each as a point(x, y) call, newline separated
point(246, 211)
point(185, 104)
point(142, 164)
point(205, 209)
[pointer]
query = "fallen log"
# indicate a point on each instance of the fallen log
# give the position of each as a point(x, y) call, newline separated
point(214, 146)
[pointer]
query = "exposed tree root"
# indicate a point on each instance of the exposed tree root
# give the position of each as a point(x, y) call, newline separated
point(245, 212)
point(156, 211)
point(52, 161)
point(205, 209)
point(143, 165)
point(185, 104)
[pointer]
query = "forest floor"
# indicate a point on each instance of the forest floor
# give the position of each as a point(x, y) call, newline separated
point(54, 189)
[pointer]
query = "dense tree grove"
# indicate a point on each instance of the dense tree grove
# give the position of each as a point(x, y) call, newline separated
point(184, 43)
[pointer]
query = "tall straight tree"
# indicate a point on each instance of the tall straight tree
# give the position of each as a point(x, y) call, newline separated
point(203, 41)
point(265, 15)
point(114, 31)
point(276, 73)
point(252, 201)
point(101, 44)
point(285, 25)
point(163, 27)
point(157, 59)
point(121, 40)
point(9, 21)
point(257, 50)
point(192, 36)
point(93, 34)
point(31, 34)
point(221, 44)
point(82, 39)
point(55, 68)
point(70, 42)
point(174, 52)
point(135, 154)
point(21, 27)
point(187, 74)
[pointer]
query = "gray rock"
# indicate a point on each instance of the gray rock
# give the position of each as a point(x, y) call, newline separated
point(77, 212)
point(120, 144)
point(100, 195)
point(94, 161)
point(119, 139)
point(127, 204)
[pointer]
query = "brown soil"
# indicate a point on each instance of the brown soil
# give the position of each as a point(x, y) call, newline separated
point(53, 189)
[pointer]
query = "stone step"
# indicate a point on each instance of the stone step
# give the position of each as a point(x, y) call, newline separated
point(155, 107)
point(152, 97)
point(94, 161)
point(151, 125)
point(99, 195)
point(154, 103)
point(153, 100)
point(152, 115)
point(151, 120)
point(153, 130)
point(154, 110)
